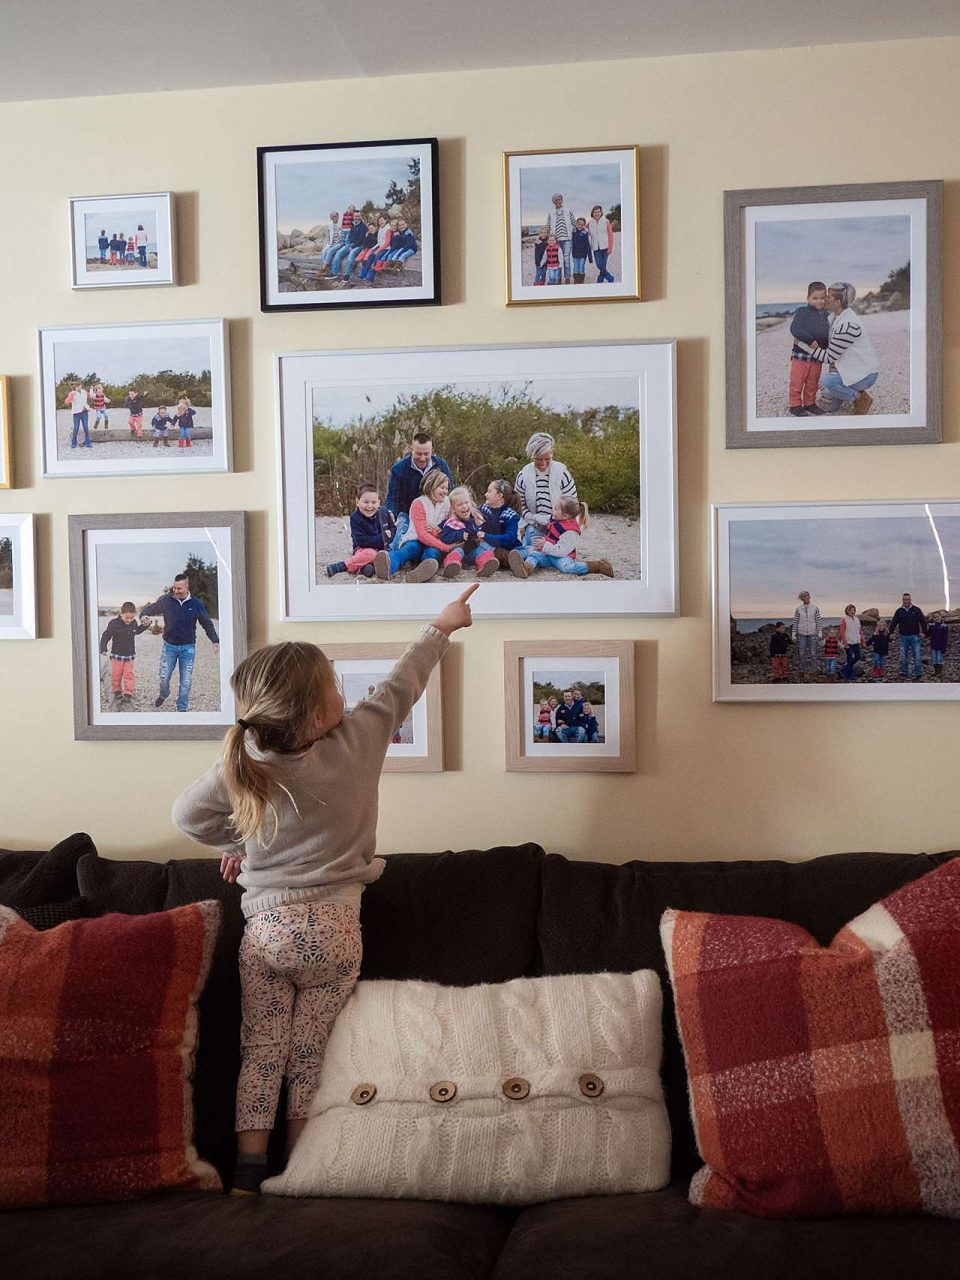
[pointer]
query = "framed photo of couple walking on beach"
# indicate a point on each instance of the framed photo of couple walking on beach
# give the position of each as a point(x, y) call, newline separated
point(354, 224)
point(572, 221)
point(833, 315)
point(158, 610)
point(549, 472)
point(569, 706)
point(123, 241)
point(417, 745)
point(837, 602)
point(135, 399)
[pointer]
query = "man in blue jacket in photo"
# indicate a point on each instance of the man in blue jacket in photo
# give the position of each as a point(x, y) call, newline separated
point(180, 612)
point(406, 477)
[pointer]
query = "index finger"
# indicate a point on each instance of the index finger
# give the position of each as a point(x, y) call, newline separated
point(465, 596)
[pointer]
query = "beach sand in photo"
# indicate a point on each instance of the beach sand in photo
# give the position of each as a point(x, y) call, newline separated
point(129, 448)
point(890, 334)
point(204, 692)
point(614, 538)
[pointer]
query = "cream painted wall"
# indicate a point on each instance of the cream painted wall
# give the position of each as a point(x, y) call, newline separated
point(713, 780)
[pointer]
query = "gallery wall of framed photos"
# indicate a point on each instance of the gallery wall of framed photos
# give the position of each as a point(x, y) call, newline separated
point(655, 145)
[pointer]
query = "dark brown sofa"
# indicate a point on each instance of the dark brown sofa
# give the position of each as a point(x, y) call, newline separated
point(460, 918)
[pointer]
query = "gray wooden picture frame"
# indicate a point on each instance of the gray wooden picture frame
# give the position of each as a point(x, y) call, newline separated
point(78, 528)
point(737, 323)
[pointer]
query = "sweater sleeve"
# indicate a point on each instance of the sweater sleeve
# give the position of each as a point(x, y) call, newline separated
point(203, 812)
point(418, 518)
point(565, 545)
point(390, 704)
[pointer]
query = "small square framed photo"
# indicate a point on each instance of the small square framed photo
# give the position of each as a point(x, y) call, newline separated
point(353, 224)
point(135, 399)
point(833, 306)
point(158, 610)
point(18, 588)
point(572, 221)
point(6, 463)
point(569, 706)
point(836, 602)
point(417, 745)
point(123, 241)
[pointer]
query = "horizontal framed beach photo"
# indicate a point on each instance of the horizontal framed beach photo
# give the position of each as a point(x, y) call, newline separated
point(6, 458)
point(555, 480)
point(572, 224)
point(417, 745)
point(18, 578)
point(836, 602)
point(158, 611)
point(123, 241)
point(353, 224)
point(833, 315)
point(135, 399)
point(569, 706)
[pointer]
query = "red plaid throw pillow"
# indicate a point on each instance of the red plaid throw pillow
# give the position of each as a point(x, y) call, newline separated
point(98, 1027)
point(825, 1080)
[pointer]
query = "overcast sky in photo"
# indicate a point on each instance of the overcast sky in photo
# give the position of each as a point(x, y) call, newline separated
point(139, 571)
point(124, 221)
point(581, 185)
point(862, 251)
point(868, 562)
point(307, 193)
point(118, 360)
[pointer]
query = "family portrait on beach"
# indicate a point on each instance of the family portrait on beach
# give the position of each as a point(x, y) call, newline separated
point(158, 608)
point(844, 598)
point(523, 480)
point(348, 224)
point(357, 686)
point(122, 240)
point(148, 398)
point(569, 707)
point(571, 223)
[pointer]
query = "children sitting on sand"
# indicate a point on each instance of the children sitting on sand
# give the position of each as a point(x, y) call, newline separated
point(462, 531)
point(501, 520)
point(421, 540)
point(557, 549)
point(810, 328)
point(371, 530)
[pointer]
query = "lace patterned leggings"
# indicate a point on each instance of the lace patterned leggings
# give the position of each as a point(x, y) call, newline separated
point(298, 964)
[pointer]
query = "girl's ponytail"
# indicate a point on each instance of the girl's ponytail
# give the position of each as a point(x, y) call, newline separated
point(584, 516)
point(249, 785)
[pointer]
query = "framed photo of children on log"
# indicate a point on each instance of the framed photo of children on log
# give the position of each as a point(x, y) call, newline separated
point(549, 472)
point(572, 222)
point(353, 224)
point(833, 315)
point(569, 706)
point(123, 241)
point(837, 602)
point(135, 399)
point(158, 610)
point(417, 745)
point(6, 464)
point(18, 585)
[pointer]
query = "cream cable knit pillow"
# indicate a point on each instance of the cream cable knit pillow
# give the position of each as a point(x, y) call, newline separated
point(532, 1090)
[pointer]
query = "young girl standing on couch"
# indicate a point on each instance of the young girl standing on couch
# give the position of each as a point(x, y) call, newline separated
point(292, 807)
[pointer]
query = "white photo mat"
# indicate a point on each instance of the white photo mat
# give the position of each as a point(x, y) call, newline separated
point(650, 365)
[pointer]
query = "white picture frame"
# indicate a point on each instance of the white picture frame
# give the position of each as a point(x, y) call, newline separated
point(333, 391)
point(18, 577)
point(867, 554)
point(148, 219)
point(120, 357)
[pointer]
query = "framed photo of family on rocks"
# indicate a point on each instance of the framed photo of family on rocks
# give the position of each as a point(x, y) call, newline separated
point(135, 399)
point(837, 602)
point(353, 224)
point(123, 241)
point(158, 610)
point(417, 745)
point(548, 472)
point(569, 706)
point(572, 222)
point(833, 315)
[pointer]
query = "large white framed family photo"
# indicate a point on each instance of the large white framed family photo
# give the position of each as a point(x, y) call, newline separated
point(539, 451)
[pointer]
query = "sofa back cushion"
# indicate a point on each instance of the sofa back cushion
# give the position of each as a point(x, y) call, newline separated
point(599, 917)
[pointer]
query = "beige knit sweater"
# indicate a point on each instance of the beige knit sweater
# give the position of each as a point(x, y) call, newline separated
point(325, 846)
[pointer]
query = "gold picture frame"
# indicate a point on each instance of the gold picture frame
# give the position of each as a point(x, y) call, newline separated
point(613, 186)
point(6, 464)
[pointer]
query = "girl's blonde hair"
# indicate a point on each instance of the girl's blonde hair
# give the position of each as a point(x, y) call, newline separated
point(184, 400)
point(461, 491)
point(431, 482)
point(279, 689)
point(574, 510)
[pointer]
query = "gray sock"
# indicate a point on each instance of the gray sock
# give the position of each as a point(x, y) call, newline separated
point(250, 1172)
